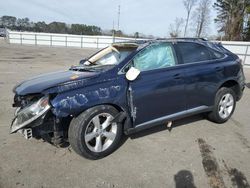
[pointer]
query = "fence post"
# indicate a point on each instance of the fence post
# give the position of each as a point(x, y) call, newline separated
point(113, 36)
point(81, 41)
point(36, 39)
point(21, 38)
point(97, 41)
point(7, 36)
point(50, 40)
point(245, 55)
point(66, 42)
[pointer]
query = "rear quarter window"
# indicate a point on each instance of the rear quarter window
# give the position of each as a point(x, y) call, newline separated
point(218, 55)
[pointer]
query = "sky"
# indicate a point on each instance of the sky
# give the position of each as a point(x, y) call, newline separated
point(143, 16)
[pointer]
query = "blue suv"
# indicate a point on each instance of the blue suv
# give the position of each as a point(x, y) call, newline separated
point(126, 88)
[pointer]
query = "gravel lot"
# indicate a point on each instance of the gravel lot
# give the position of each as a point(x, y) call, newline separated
point(196, 153)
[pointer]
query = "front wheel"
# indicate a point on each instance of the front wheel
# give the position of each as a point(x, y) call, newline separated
point(93, 134)
point(225, 102)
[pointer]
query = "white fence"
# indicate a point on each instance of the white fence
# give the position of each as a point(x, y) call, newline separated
point(66, 40)
point(242, 49)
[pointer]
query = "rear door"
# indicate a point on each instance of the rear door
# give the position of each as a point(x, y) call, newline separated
point(159, 89)
point(203, 71)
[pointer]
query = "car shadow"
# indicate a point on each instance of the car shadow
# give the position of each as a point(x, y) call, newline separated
point(161, 127)
point(184, 179)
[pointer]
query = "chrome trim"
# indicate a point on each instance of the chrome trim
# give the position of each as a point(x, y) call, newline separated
point(27, 133)
point(173, 116)
point(177, 65)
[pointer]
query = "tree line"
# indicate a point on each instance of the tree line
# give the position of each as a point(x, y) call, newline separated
point(232, 21)
point(24, 24)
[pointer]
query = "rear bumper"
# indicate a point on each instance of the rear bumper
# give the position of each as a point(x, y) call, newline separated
point(241, 92)
point(241, 79)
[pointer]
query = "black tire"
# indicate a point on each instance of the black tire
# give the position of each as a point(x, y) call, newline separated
point(214, 115)
point(78, 126)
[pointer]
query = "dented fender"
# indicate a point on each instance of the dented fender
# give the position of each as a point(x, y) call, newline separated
point(73, 102)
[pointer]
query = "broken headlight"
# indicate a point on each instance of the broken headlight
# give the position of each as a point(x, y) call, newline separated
point(30, 113)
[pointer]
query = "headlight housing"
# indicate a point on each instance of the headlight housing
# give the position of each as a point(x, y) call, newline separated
point(30, 113)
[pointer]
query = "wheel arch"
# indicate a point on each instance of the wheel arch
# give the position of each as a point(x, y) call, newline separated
point(123, 115)
point(234, 85)
point(116, 106)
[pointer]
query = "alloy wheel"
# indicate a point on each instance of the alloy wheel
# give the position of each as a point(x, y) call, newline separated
point(100, 132)
point(226, 106)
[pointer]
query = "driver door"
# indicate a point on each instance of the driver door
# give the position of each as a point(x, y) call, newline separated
point(159, 89)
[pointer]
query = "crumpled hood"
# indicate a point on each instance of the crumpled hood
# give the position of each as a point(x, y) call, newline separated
point(45, 81)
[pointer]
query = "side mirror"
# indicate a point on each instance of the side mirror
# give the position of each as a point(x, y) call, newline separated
point(82, 61)
point(132, 74)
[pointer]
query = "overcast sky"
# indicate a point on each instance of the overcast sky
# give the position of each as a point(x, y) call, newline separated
point(145, 16)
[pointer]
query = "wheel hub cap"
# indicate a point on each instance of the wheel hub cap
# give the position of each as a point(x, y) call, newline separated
point(226, 105)
point(100, 132)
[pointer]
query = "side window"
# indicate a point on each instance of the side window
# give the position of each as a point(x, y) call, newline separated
point(218, 55)
point(155, 56)
point(192, 52)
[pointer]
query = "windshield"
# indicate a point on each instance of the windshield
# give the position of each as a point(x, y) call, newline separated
point(111, 55)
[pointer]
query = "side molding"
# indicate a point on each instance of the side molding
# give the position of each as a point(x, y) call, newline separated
point(172, 117)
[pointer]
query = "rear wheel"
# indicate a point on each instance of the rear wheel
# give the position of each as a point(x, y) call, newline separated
point(93, 134)
point(224, 106)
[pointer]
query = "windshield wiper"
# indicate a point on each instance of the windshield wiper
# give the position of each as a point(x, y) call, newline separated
point(90, 68)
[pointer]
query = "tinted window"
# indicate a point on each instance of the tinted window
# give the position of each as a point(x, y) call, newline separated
point(154, 57)
point(192, 52)
point(218, 55)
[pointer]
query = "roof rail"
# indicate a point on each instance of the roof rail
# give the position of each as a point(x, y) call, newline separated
point(195, 39)
point(138, 41)
point(184, 38)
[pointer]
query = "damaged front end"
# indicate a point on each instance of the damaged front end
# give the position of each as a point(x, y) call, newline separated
point(29, 111)
point(34, 119)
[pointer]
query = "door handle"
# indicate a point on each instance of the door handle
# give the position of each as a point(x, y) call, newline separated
point(177, 76)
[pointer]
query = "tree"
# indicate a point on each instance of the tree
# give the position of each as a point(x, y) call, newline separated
point(8, 21)
point(246, 32)
point(57, 27)
point(136, 35)
point(40, 27)
point(119, 33)
point(188, 4)
point(202, 17)
point(23, 24)
point(230, 17)
point(81, 29)
point(175, 28)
